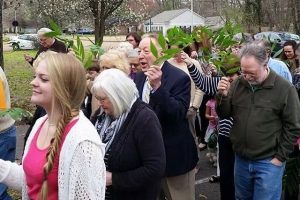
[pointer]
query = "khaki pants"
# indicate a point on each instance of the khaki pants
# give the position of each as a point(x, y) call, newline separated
point(180, 187)
point(191, 120)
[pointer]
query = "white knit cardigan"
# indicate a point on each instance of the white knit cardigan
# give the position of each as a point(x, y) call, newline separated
point(81, 173)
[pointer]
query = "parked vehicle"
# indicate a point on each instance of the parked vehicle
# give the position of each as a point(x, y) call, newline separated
point(24, 41)
point(85, 31)
point(277, 39)
point(295, 37)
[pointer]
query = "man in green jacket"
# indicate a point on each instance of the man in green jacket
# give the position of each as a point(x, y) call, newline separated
point(265, 108)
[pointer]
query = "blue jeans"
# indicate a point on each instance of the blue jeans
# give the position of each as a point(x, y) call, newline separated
point(257, 180)
point(7, 152)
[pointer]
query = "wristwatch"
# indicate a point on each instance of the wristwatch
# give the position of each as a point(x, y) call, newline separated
point(194, 108)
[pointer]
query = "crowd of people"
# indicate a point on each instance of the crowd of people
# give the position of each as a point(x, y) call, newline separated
point(127, 128)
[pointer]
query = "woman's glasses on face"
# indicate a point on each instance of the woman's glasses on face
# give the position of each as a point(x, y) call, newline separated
point(101, 99)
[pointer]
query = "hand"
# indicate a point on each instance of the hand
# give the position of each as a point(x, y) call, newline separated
point(154, 74)
point(276, 162)
point(28, 58)
point(216, 119)
point(71, 52)
point(185, 57)
point(108, 178)
point(194, 54)
point(191, 112)
point(223, 86)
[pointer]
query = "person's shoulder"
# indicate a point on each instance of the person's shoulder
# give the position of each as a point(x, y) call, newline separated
point(281, 81)
point(277, 62)
point(174, 71)
point(142, 108)
point(143, 113)
point(58, 42)
point(60, 45)
point(210, 102)
point(84, 130)
point(2, 74)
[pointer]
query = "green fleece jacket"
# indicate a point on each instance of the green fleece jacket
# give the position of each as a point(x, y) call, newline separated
point(266, 118)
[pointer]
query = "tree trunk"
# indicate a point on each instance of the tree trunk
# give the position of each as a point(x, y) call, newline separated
point(102, 22)
point(1, 36)
point(94, 6)
point(297, 8)
point(97, 26)
point(259, 14)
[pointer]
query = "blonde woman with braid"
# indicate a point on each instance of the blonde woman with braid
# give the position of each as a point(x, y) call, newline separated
point(63, 157)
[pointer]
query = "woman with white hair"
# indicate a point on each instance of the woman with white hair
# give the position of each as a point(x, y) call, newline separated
point(134, 152)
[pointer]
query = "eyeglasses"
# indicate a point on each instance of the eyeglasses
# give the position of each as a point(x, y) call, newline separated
point(134, 65)
point(129, 40)
point(248, 75)
point(101, 99)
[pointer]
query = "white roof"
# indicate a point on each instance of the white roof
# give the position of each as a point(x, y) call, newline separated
point(168, 15)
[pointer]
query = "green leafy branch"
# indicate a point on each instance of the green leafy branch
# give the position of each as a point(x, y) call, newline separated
point(96, 49)
point(16, 113)
point(226, 63)
point(78, 48)
point(222, 40)
point(175, 37)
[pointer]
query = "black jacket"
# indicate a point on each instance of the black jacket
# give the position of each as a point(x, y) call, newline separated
point(57, 46)
point(170, 102)
point(137, 156)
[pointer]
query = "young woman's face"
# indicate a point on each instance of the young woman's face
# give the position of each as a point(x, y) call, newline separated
point(132, 41)
point(289, 52)
point(41, 87)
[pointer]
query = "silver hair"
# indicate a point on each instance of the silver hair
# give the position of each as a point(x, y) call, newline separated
point(42, 31)
point(119, 88)
point(254, 50)
point(133, 54)
point(124, 47)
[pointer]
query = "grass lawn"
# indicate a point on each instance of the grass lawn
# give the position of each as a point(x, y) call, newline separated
point(19, 74)
point(14, 194)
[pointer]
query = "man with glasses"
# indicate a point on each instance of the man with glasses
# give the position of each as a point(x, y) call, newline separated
point(265, 110)
point(47, 43)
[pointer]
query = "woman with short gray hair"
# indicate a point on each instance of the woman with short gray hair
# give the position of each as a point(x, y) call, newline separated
point(134, 153)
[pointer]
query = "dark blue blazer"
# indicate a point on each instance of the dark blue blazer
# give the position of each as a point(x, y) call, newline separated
point(170, 102)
